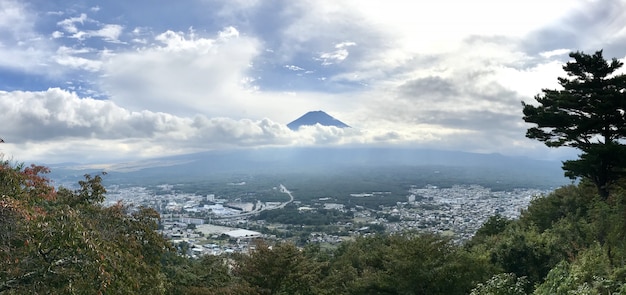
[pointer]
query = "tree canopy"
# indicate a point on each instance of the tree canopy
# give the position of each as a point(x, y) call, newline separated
point(65, 242)
point(589, 114)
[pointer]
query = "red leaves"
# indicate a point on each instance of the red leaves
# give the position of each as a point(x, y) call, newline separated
point(53, 236)
point(26, 184)
point(38, 183)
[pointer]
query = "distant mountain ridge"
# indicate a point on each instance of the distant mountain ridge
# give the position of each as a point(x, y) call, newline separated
point(398, 163)
point(316, 117)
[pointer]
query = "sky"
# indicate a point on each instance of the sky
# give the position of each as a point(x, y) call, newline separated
point(112, 81)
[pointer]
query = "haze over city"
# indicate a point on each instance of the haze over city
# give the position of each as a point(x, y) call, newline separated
point(98, 82)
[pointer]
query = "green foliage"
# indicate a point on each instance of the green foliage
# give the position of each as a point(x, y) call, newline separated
point(281, 269)
point(554, 228)
point(525, 253)
point(65, 242)
point(409, 264)
point(206, 275)
point(398, 264)
point(569, 201)
point(587, 114)
point(495, 225)
point(568, 242)
point(502, 284)
point(590, 273)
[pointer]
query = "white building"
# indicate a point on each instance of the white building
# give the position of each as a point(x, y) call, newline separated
point(243, 234)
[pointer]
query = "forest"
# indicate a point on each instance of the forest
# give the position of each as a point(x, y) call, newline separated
point(572, 241)
point(65, 242)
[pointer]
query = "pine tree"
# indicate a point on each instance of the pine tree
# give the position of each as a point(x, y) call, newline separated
point(588, 114)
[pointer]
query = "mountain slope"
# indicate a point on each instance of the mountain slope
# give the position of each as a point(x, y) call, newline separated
point(316, 117)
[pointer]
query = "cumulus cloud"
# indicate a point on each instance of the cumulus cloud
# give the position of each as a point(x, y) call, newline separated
point(50, 122)
point(226, 132)
point(109, 32)
point(326, 135)
point(56, 114)
point(182, 73)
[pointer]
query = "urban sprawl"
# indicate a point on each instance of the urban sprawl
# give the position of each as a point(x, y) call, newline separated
point(214, 225)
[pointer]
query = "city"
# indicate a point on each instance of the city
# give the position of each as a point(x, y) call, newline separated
point(211, 224)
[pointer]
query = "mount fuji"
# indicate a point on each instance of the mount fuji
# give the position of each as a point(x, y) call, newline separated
point(316, 117)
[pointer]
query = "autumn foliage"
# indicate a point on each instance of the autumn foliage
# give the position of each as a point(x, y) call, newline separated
point(65, 242)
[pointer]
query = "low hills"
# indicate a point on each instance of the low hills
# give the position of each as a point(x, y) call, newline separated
point(405, 165)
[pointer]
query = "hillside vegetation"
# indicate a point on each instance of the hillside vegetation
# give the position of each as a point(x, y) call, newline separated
point(65, 242)
point(569, 242)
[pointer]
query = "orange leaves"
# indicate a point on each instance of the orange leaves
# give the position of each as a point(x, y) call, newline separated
point(38, 211)
point(68, 236)
point(38, 183)
point(25, 183)
point(9, 206)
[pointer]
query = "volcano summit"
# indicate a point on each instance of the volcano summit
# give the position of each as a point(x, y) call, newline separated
point(316, 117)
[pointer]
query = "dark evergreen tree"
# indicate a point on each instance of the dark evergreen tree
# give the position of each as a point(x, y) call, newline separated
point(589, 114)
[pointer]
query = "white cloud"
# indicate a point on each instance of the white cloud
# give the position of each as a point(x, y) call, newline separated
point(431, 25)
point(55, 12)
point(15, 18)
point(182, 74)
point(57, 116)
point(528, 82)
point(338, 55)
point(393, 36)
point(294, 68)
point(69, 24)
point(228, 32)
point(78, 62)
point(70, 57)
point(109, 32)
point(345, 44)
point(555, 52)
point(56, 124)
point(22, 48)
